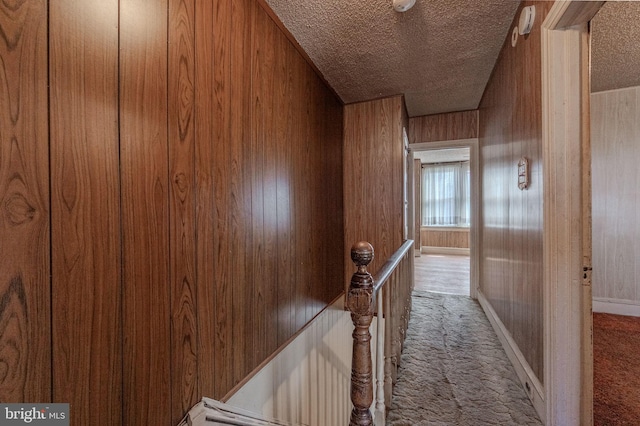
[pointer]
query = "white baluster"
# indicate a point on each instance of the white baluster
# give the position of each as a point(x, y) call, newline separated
point(380, 413)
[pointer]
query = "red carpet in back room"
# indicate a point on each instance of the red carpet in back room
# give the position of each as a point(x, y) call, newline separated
point(616, 359)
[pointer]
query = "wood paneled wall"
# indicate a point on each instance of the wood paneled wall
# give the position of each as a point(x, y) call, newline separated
point(510, 127)
point(86, 283)
point(453, 238)
point(373, 178)
point(175, 226)
point(615, 148)
point(444, 127)
point(25, 229)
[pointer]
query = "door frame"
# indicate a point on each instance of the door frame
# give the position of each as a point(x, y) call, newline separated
point(568, 346)
point(474, 229)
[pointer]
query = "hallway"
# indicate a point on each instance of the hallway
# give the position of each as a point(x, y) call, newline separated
point(454, 370)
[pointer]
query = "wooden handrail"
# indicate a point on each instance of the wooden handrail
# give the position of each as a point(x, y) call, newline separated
point(390, 265)
point(360, 301)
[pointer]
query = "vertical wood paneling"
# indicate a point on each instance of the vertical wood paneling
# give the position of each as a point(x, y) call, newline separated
point(197, 215)
point(373, 167)
point(240, 91)
point(205, 224)
point(221, 207)
point(268, 85)
point(282, 109)
point(333, 206)
point(258, 136)
point(615, 136)
point(433, 237)
point(299, 200)
point(25, 343)
point(145, 212)
point(311, 202)
point(444, 127)
point(181, 104)
point(86, 210)
point(510, 127)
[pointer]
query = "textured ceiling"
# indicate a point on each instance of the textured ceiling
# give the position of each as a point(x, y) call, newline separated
point(615, 46)
point(439, 54)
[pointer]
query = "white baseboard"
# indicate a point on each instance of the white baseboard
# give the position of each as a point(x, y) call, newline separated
point(530, 382)
point(446, 250)
point(616, 306)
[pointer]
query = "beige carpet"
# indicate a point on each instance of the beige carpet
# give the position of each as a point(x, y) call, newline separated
point(454, 370)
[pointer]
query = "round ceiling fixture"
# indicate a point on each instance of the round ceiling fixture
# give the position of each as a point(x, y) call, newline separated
point(403, 5)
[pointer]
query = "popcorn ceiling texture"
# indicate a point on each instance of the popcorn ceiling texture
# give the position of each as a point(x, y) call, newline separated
point(615, 46)
point(439, 54)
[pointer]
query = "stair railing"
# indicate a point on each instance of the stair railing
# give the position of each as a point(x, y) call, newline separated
point(387, 295)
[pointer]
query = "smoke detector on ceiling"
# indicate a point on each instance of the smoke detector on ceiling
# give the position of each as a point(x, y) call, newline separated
point(403, 5)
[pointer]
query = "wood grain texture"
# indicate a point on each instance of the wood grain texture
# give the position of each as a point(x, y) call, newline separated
point(615, 133)
point(220, 205)
point(511, 245)
point(240, 133)
point(145, 213)
point(299, 199)
point(85, 210)
point(444, 127)
point(275, 138)
point(359, 301)
point(25, 327)
point(205, 224)
point(193, 226)
point(373, 167)
point(181, 110)
point(284, 110)
point(266, 127)
point(457, 238)
point(259, 109)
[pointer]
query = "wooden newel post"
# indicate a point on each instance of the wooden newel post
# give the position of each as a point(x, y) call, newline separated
point(359, 302)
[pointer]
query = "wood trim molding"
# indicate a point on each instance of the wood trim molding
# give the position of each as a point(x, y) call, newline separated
point(455, 143)
point(568, 357)
point(567, 13)
point(532, 386)
point(445, 228)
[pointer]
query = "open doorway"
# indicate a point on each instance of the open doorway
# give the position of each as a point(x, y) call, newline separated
point(615, 145)
point(443, 209)
point(445, 203)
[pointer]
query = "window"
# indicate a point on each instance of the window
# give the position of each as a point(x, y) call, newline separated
point(446, 194)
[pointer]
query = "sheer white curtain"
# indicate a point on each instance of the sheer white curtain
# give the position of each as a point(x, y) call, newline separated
point(446, 194)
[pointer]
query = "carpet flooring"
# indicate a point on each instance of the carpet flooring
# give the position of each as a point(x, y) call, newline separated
point(616, 370)
point(454, 370)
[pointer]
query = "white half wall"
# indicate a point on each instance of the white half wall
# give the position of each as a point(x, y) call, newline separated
point(615, 142)
point(308, 382)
